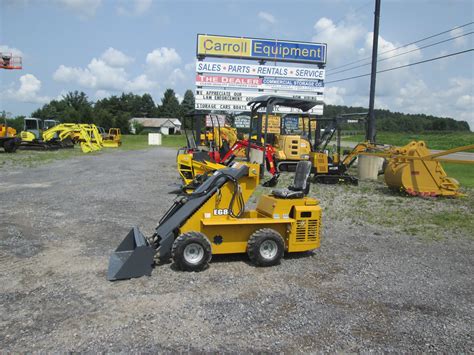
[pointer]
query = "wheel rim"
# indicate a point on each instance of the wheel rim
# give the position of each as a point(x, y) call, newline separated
point(193, 253)
point(268, 249)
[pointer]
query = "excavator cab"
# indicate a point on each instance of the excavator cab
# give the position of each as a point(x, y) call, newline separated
point(290, 149)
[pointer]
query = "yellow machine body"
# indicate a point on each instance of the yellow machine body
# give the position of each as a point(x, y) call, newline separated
point(297, 220)
point(292, 147)
point(113, 139)
point(189, 168)
point(27, 136)
point(408, 171)
point(320, 162)
point(218, 135)
point(7, 131)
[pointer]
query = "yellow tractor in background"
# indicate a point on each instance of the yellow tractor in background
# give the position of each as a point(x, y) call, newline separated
point(213, 220)
point(113, 139)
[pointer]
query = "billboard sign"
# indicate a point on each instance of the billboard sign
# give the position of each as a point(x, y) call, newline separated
point(260, 70)
point(258, 48)
point(241, 96)
point(233, 106)
point(259, 83)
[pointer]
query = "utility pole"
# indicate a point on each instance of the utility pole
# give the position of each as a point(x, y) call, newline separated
point(370, 136)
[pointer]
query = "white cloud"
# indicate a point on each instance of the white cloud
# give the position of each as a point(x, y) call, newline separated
point(99, 75)
point(28, 91)
point(108, 74)
point(115, 58)
point(391, 50)
point(404, 90)
point(265, 16)
point(83, 8)
point(454, 100)
point(142, 83)
point(14, 51)
point(138, 7)
point(465, 102)
point(161, 60)
point(176, 76)
point(334, 95)
point(342, 39)
point(461, 41)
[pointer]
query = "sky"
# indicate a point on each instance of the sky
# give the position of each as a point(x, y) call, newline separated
point(105, 47)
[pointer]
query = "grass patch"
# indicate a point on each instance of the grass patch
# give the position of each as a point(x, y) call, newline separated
point(136, 142)
point(464, 173)
point(31, 158)
point(441, 140)
point(173, 141)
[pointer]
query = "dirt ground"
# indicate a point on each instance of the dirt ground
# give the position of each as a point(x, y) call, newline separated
point(388, 280)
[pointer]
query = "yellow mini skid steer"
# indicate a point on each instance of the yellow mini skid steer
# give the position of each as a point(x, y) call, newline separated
point(213, 220)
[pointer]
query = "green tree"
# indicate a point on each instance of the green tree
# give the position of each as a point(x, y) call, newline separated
point(187, 105)
point(103, 118)
point(147, 106)
point(169, 105)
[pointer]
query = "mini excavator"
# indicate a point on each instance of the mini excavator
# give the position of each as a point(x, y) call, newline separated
point(213, 220)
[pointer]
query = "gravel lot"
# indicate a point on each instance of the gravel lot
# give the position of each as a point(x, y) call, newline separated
point(373, 285)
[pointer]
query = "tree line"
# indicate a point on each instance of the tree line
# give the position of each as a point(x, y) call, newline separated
point(113, 111)
point(116, 111)
point(389, 121)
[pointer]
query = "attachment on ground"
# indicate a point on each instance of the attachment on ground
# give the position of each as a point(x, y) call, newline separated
point(133, 257)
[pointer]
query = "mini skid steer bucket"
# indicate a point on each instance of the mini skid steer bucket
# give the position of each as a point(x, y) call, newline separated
point(132, 258)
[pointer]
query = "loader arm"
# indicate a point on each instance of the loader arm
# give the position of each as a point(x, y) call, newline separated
point(134, 256)
point(184, 207)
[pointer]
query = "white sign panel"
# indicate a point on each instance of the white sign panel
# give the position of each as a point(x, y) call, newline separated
point(246, 96)
point(215, 120)
point(260, 83)
point(260, 70)
point(222, 105)
point(242, 121)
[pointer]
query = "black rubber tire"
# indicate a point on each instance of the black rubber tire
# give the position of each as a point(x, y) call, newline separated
point(10, 146)
point(178, 251)
point(256, 240)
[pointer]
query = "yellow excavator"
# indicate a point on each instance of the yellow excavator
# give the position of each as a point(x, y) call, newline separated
point(36, 136)
point(65, 135)
point(213, 220)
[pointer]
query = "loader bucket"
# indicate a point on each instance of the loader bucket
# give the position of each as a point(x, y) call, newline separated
point(409, 172)
point(132, 258)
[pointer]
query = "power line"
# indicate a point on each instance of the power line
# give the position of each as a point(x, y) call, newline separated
point(405, 45)
point(403, 66)
point(343, 17)
point(410, 51)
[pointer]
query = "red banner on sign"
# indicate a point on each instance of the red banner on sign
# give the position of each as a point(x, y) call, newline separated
point(203, 80)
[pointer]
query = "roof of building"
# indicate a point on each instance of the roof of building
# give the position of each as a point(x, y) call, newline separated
point(157, 122)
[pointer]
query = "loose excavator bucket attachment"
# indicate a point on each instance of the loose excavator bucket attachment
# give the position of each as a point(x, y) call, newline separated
point(132, 258)
point(411, 170)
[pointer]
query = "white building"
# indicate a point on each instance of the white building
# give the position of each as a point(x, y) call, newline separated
point(159, 125)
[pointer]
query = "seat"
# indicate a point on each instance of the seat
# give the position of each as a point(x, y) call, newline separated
point(300, 186)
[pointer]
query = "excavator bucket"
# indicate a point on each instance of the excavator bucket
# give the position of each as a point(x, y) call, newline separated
point(411, 170)
point(132, 258)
